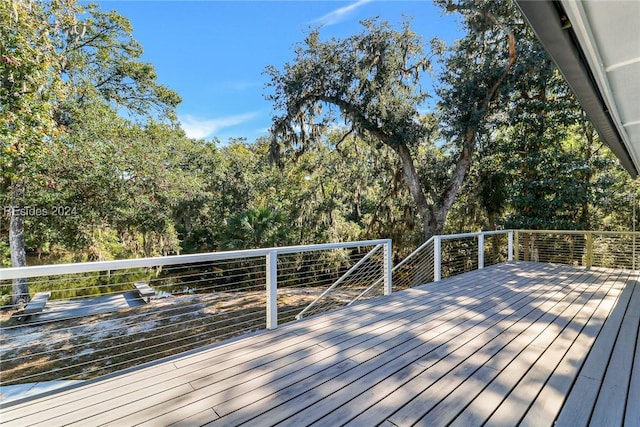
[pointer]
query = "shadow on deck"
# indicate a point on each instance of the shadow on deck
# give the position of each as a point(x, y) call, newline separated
point(516, 343)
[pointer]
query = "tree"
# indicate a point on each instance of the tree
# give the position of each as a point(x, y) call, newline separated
point(255, 228)
point(540, 164)
point(344, 189)
point(373, 80)
point(31, 85)
point(59, 58)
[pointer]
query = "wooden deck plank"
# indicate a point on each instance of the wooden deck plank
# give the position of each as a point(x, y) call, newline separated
point(473, 341)
point(134, 379)
point(250, 386)
point(510, 359)
point(612, 398)
point(164, 407)
point(582, 397)
point(524, 326)
point(256, 399)
point(359, 312)
point(220, 357)
point(256, 343)
point(64, 402)
point(548, 403)
point(453, 404)
point(484, 404)
point(190, 420)
point(92, 415)
point(222, 411)
point(366, 388)
point(379, 366)
point(632, 414)
point(511, 410)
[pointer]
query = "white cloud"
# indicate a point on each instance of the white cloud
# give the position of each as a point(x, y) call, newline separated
point(339, 15)
point(199, 128)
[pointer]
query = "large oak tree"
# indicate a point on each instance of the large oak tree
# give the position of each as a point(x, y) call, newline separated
point(372, 81)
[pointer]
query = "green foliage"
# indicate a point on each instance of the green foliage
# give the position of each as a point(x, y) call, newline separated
point(32, 85)
point(255, 228)
point(354, 158)
point(372, 78)
point(67, 71)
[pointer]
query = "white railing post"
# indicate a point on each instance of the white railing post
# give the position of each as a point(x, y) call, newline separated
point(510, 249)
point(437, 258)
point(480, 251)
point(272, 290)
point(387, 269)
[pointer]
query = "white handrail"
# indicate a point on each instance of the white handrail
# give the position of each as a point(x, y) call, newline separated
point(474, 234)
point(87, 267)
point(604, 233)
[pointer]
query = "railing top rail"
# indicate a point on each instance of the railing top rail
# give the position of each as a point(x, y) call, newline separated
point(87, 267)
point(474, 234)
point(605, 233)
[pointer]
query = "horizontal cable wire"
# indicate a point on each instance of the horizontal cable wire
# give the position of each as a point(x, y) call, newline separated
point(606, 249)
point(237, 288)
point(50, 343)
point(110, 349)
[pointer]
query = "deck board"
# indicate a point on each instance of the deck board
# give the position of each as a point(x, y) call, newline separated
point(514, 361)
point(256, 390)
point(612, 399)
point(377, 360)
point(552, 394)
point(326, 349)
point(466, 343)
point(521, 397)
point(504, 344)
point(200, 365)
point(632, 414)
point(581, 400)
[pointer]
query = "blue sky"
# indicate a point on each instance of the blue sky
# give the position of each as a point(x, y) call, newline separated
point(213, 53)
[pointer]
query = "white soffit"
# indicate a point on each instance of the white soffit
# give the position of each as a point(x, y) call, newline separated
point(609, 34)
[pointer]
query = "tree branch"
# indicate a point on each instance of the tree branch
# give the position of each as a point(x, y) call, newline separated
point(468, 147)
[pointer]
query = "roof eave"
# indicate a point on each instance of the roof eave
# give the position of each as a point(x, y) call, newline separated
point(544, 19)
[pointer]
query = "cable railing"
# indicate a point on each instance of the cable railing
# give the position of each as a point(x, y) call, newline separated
point(613, 249)
point(90, 319)
point(448, 255)
point(460, 253)
point(417, 268)
point(355, 283)
point(103, 317)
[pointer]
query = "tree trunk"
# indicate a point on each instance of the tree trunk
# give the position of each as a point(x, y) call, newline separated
point(20, 289)
point(412, 179)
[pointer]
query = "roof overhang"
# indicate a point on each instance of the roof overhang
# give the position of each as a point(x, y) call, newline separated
point(596, 46)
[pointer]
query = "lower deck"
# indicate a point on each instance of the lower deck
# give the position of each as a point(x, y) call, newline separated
point(515, 343)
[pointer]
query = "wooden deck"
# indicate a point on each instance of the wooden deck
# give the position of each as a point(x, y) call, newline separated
point(517, 343)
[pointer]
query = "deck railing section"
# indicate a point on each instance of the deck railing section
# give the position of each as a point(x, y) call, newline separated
point(417, 268)
point(360, 281)
point(459, 253)
point(95, 322)
point(614, 249)
point(447, 255)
